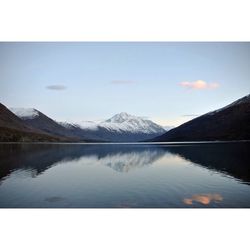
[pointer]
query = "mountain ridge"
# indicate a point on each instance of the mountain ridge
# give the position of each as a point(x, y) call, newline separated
point(12, 128)
point(121, 127)
point(231, 122)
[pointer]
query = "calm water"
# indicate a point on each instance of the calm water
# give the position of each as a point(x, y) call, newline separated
point(125, 175)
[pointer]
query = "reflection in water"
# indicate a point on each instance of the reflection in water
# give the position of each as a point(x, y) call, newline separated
point(81, 175)
point(204, 199)
point(229, 158)
point(124, 162)
point(39, 157)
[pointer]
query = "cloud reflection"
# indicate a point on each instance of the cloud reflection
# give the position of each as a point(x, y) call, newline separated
point(204, 199)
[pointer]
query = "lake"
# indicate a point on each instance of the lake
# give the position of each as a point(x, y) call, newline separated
point(194, 175)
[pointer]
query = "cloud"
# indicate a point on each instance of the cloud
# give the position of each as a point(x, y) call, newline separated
point(56, 87)
point(122, 81)
point(199, 85)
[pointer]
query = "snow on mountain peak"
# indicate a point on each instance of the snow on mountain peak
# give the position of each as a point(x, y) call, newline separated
point(25, 113)
point(124, 122)
point(121, 117)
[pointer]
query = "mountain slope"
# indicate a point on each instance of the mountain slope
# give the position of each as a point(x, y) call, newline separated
point(13, 129)
point(10, 120)
point(121, 127)
point(229, 123)
point(37, 120)
point(134, 124)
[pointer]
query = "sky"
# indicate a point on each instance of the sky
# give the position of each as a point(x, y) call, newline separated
point(167, 82)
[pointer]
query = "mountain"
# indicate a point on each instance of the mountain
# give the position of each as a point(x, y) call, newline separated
point(37, 120)
point(10, 120)
point(231, 122)
point(121, 127)
point(12, 128)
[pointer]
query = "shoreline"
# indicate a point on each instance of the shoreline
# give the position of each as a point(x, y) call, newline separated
point(132, 143)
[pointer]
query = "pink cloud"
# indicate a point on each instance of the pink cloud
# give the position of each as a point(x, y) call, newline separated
point(199, 84)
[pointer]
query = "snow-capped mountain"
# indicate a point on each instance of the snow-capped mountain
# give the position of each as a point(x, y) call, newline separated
point(123, 122)
point(231, 122)
point(15, 129)
point(122, 127)
point(39, 121)
point(131, 123)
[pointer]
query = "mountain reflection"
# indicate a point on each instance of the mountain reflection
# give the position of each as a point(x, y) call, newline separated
point(124, 162)
point(37, 158)
point(229, 158)
point(204, 199)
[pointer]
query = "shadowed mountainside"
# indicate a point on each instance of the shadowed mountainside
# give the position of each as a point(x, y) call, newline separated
point(48, 125)
point(12, 128)
point(229, 123)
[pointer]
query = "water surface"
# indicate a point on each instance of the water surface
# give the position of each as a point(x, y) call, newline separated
point(125, 175)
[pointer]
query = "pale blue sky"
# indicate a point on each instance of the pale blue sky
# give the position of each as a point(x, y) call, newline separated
point(97, 80)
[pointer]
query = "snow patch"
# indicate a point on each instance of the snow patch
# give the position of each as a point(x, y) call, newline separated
point(87, 125)
point(90, 125)
point(25, 113)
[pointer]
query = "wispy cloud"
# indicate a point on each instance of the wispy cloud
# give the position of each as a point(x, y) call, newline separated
point(122, 82)
point(199, 85)
point(56, 87)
